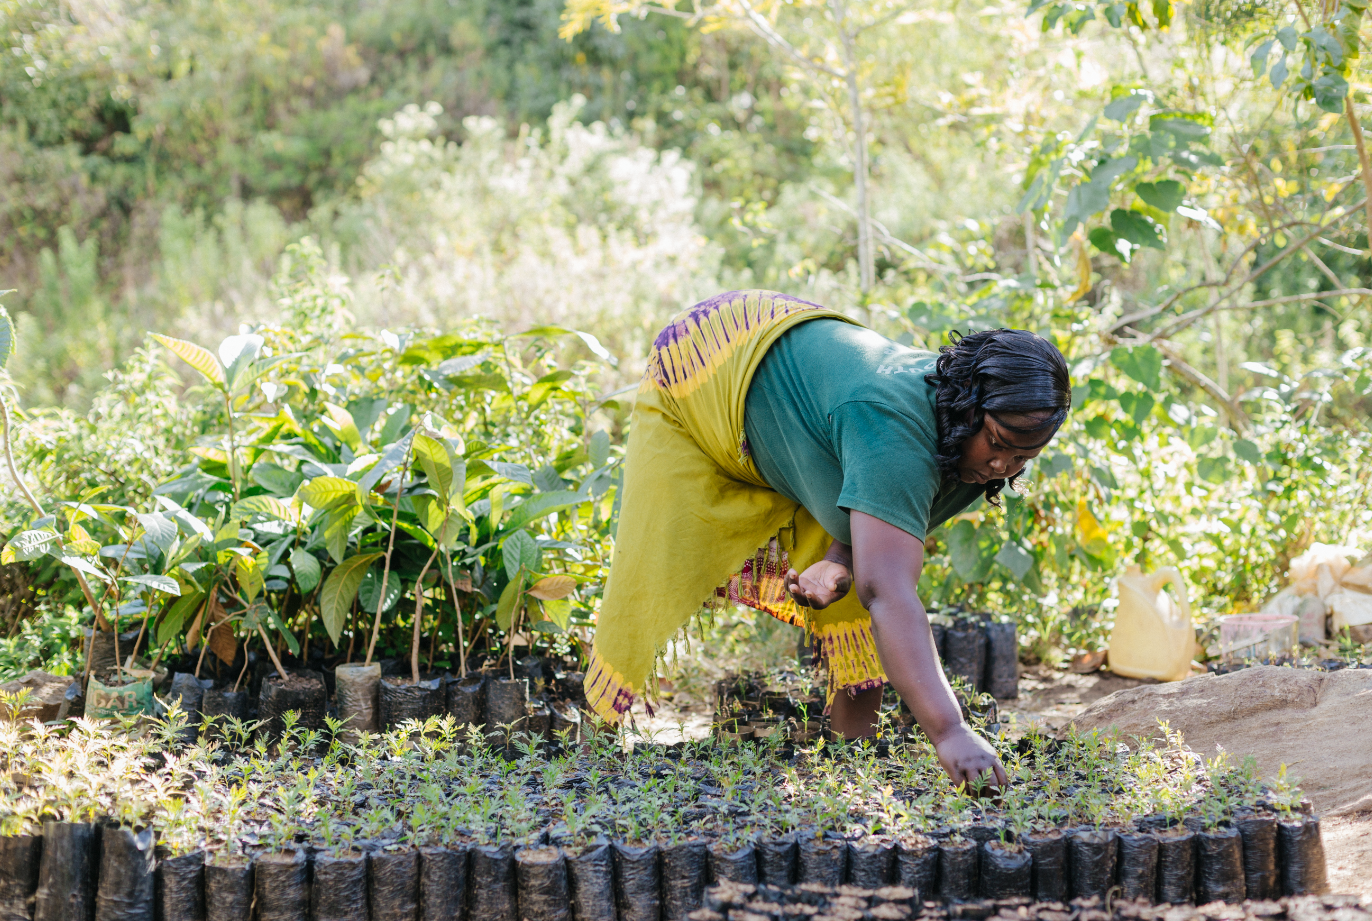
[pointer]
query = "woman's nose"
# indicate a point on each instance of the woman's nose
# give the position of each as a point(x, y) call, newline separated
point(997, 464)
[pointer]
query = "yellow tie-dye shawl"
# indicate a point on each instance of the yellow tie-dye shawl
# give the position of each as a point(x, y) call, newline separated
point(698, 526)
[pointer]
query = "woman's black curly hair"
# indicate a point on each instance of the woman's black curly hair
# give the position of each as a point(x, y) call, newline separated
point(1002, 372)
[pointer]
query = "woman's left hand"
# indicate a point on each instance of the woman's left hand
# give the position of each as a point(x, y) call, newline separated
point(820, 585)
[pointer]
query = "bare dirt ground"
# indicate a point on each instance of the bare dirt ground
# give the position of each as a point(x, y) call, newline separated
point(1050, 698)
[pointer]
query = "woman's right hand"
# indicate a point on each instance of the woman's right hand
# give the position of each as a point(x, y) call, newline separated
point(820, 585)
point(967, 756)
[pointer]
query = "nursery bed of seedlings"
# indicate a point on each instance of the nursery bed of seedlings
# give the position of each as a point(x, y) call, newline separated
point(430, 821)
point(732, 902)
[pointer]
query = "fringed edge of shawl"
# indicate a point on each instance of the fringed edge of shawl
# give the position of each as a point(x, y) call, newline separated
point(848, 648)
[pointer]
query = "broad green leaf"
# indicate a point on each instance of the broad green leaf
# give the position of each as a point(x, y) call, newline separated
point(551, 588)
point(275, 479)
point(1137, 405)
point(430, 511)
point(251, 581)
point(395, 424)
point(434, 461)
point(1015, 558)
point(199, 358)
point(558, 612)
point(1213, 469)
point(1248, 451)
point(175, 618)
point(322, 491)
point(337, 530)
point(520, 551)
point(305, 565)
point(1121, 107)
point(509, 601)
point(270, 506)
point(339, 421)
point(391, 459)
point(1165, 195)
point(28, 545)
point(1142, 362)
point(164, 584)
point(541, 505)
point(236, 353)
point(340, 590)
point(451, 531)
point(7, 346)
point(75, 562)
point(369, 591)
point(160, 529)
point(971, 550)
point(1138, 229)
point(600, 448)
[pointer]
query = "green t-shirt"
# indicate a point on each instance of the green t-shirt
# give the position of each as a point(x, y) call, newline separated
point(840, 418)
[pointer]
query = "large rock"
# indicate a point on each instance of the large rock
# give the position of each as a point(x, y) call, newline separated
point(1319, 724)
point(47, 693)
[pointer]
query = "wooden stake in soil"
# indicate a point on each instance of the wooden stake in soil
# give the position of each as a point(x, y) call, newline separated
point(419, 617)
point(390, 549)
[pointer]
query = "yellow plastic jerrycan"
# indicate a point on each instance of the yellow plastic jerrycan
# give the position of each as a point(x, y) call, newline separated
point(1153, 636)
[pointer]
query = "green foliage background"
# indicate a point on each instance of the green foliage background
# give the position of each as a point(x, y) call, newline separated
point(1173, 193)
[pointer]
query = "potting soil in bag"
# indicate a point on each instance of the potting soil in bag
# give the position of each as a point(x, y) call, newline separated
point(1176, 865)
point(492, 881)
point(732, 862)
point(1138, 865)
point(356, 690)
point(339, 890)
point(1002, 661)
point(443, 882)
point(66, 873)
point(1220, 876)
point(102, 657)
point(393, 884)
point(218, 707)
point(125, 892)
point(591, 875)
point(967, 654)
point(685, 867)
point(543, 892)
point(565, 722)
point(1004, 871)
point(111, 701)
point(940, 632)
point(401, 701)
point(21, 857)
point(871, 863)
point(540, 720)
point(957, 870)
point(467, 700)
point(1048, 872)
point(180, 888)
point(637, 882)
point(1300, 852)
point(1260, 877)
point(228, 889)
point(822, 861)
point(188, 692)
point(917, 866)
point(281, 884)
point(1091, 863)
point(506, 703)
point(776, 860)
point(300, 691)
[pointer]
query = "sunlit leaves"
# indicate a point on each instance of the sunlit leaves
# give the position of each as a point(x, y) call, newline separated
point(1143, 363)
point(307, 570)
point(164, 584)
point(340, 591)
point(323, 491)
point(28, 545)
point(198, 357)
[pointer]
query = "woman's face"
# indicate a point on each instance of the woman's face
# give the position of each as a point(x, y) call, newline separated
point(996, 453)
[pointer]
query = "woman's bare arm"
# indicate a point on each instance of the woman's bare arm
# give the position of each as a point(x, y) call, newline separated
point(887, 564)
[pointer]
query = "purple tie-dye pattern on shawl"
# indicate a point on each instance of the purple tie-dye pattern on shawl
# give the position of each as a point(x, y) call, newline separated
point(694, 334)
